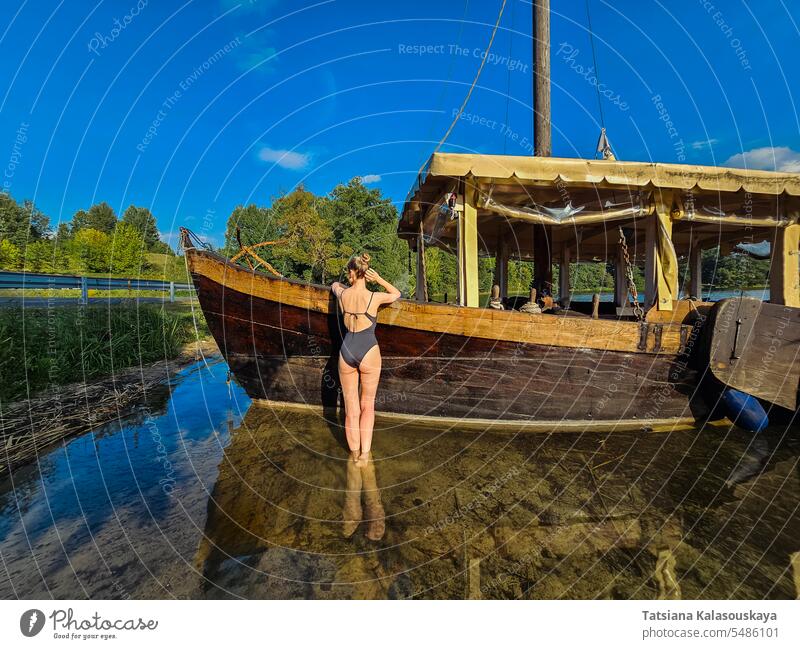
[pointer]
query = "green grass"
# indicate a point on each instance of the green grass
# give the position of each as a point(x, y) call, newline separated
point(40, 348)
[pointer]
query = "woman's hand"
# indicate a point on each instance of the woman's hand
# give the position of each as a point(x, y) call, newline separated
point(372, 276)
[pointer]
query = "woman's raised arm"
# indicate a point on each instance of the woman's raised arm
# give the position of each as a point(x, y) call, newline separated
point(391, 294)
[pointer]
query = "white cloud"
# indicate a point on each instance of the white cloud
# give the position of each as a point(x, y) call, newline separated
point(704, 144)
point(778, 158)
point(283, 158)
point(370, 178)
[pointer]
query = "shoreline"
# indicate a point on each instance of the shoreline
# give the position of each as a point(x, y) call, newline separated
point(30, 426)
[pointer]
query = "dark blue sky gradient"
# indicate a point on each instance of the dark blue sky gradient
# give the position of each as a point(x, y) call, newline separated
point(153, 114)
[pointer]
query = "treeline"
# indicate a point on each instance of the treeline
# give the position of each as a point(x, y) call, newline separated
point(316, 235)
point(94, 241)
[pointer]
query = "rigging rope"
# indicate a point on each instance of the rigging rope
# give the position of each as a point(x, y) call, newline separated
point(472, 87)
point(450, 67)
point(603, 145)
point(508, 77)
point(594, 61)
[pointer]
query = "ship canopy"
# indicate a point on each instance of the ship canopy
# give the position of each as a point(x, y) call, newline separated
point(495, 204)
point(716, 204)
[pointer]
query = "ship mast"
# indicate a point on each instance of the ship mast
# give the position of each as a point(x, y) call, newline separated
point(541, 79)
point(542, 141)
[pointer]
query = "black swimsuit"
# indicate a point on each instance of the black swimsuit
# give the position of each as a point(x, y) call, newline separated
point(356, 344)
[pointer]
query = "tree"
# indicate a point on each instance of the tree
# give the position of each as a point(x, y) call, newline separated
point(142, 219)
point(319, 233)
point(162, 248)
point(89, 251)
point(256, 224)
point(9, 255)
point(39, 257)
point(127, 249)
point(308, 248)
point(100, 217)
point(63, 233)
point(20, 224)
point(363, 220)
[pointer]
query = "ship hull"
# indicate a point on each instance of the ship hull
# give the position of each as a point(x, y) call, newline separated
point(281, 340)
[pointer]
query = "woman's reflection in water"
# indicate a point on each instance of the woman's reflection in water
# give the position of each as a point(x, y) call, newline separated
point(361, 480)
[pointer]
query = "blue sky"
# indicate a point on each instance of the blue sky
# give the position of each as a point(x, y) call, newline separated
point(191, 107)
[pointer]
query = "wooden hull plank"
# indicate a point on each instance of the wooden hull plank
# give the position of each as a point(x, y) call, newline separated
point(284, 352)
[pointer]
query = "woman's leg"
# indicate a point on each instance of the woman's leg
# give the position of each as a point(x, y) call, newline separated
point(352, 512)
point(370, 370)
point(376, 516)
point(348, 377)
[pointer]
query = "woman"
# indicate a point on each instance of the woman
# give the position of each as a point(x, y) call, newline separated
point(360, 356)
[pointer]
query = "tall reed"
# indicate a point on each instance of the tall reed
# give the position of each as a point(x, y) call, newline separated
point(41, 347)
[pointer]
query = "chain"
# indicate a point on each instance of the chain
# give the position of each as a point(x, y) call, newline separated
point(638, 311)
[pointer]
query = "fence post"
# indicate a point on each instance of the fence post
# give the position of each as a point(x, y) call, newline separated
point(84, 291)
point(172, 291)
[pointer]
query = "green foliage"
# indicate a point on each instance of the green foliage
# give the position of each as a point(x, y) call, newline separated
point(9, 255)
point(45, 256)
point(127, 249)
point(162, 248)
point(20, 224)
point(169, 267)
point(440, 274)
point(594, 277)
point(734, 271)
point(100, 217)
point(145, 223)
point(318, 234)
point(362, 220)
point(308, 247)
point(41, 348)
point(89, 251)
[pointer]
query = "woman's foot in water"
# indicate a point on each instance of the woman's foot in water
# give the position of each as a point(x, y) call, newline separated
point(363, 459)
point(352, 514)
point(376, 520)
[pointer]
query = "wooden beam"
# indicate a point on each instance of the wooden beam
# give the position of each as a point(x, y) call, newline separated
point(501, 261)
point(784, 276)
point(422, 282)
point(543, 259)
point(665, 262)
point(564, 290)
point(696, 269)
point(468, 247)
point(620, 280)
point(651, 252)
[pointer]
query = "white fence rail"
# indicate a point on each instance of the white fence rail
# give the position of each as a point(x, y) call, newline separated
point(17, 280)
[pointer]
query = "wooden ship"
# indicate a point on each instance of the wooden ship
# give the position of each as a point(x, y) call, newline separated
point(551, 363)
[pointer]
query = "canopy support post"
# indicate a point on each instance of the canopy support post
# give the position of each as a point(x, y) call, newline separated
point(564, 292)
point(468, 248)
point(501, 262)
point(422, 283)
point(543, 259)
point(696, 270)
point(651, 252)
point(620, 280)
point(661, 272)
point(784, 278)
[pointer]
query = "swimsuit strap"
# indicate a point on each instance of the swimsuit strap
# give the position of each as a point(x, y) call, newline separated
point(365, 312)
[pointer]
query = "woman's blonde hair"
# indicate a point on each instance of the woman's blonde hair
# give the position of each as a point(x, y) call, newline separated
point(359, 264)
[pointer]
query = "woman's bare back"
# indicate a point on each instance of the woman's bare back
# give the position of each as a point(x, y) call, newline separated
point(354, 303)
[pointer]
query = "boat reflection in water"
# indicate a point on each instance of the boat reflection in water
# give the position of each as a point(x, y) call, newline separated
point(471, 515)
point(208, 496)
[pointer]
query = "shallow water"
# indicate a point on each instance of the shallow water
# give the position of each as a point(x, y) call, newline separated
point(201, 495)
